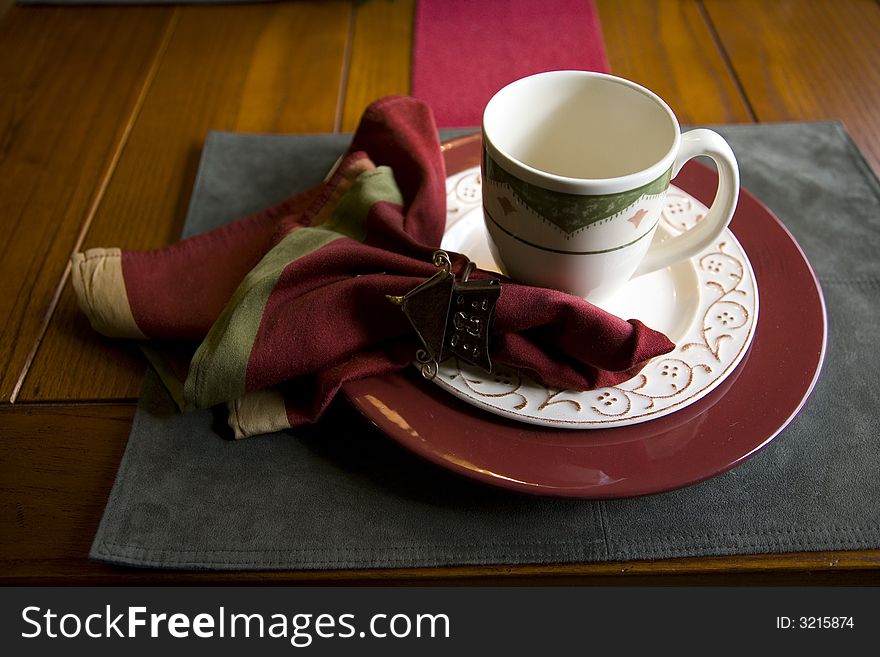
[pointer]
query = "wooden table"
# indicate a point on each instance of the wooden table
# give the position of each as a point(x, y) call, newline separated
point(103, 112)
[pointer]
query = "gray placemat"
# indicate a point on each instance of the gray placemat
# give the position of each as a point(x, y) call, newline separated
point(340, 495)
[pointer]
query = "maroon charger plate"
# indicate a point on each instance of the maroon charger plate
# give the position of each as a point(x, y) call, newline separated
point(753, 405)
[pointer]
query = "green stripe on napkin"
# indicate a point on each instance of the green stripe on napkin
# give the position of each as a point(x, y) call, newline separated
point(218, 369)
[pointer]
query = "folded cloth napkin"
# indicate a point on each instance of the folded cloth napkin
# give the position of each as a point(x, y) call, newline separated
point(290, 303)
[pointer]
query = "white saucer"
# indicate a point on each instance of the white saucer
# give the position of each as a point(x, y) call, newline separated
point(708, 306)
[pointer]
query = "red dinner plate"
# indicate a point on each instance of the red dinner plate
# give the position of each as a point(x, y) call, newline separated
point(711, 436)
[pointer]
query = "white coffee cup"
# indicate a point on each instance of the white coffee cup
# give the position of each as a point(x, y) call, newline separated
point(575, 171)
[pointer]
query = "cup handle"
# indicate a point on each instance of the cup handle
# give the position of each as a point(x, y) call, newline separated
point(683, 246)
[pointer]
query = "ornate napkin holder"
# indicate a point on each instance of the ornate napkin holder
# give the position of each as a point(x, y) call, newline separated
point(451, 318)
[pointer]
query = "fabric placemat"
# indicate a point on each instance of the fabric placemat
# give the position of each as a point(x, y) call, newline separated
point(465, 51)
point(341, 495)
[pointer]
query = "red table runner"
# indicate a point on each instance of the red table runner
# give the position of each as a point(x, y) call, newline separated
point(464, 51)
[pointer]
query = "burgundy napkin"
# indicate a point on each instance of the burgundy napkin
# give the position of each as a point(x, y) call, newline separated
point(466, 50)
point(290, 303)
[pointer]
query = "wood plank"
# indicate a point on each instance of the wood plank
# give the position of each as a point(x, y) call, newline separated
point(75, 363)
point(381, 56)
point(295, 71)
point(266, 67)
point(758, 571)
point(668, 47)
point(807, 60)
point(56, 468)
point(57, 465)
point(69, 81)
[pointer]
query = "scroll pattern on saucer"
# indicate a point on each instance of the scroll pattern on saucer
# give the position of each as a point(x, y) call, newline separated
point(463, 193)
point(712, 346)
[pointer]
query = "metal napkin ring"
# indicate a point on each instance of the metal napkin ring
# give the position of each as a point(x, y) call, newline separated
point(450, 317)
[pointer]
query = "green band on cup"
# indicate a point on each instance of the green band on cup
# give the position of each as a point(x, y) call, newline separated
point(562, 251)
point(571, 212)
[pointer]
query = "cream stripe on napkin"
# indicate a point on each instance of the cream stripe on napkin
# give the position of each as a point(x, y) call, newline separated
point(100, 291)
point(258, 412)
